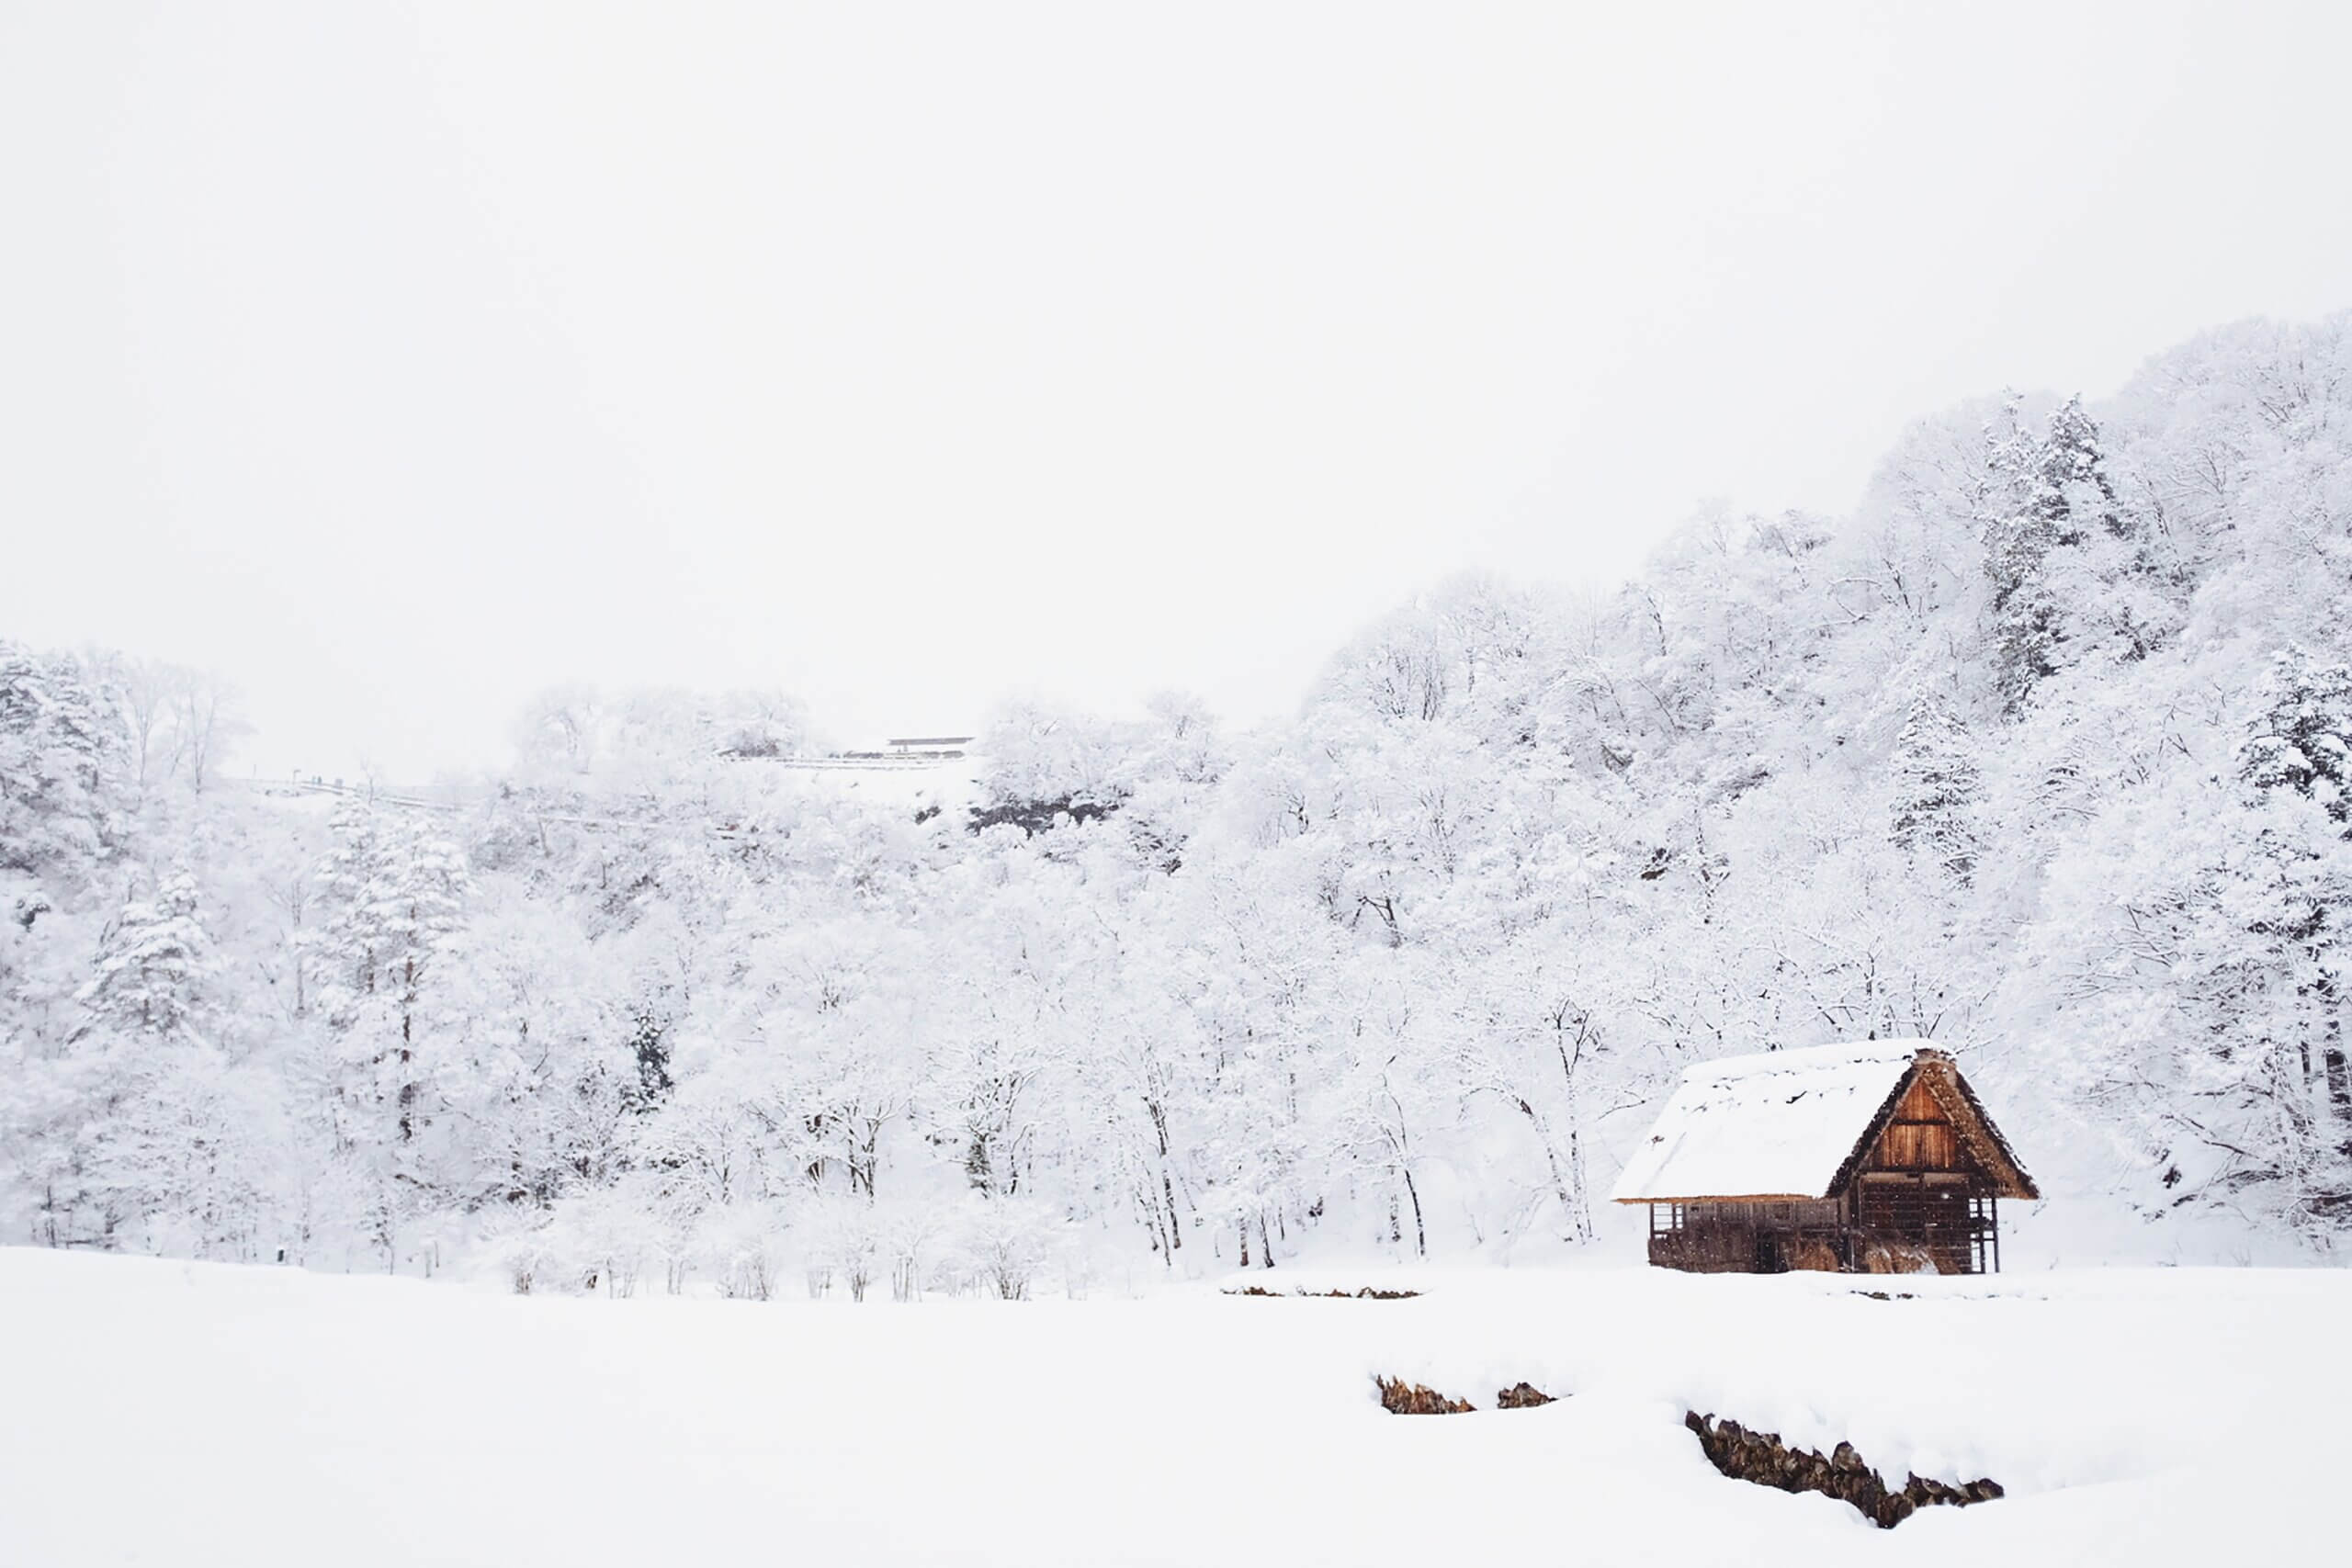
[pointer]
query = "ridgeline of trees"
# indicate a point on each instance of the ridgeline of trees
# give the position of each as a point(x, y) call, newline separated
point(2042, 752)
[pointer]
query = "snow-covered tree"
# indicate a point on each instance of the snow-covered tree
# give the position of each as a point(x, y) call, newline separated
point(2301, 738)
point(60, 753)
point(1935, 788)
point(154, 963)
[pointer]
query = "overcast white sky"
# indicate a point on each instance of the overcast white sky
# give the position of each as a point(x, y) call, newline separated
point(397, 362)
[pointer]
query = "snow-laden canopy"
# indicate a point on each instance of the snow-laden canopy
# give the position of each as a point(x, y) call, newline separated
point(1774, 1125)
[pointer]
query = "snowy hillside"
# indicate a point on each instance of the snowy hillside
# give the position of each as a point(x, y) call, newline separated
point(206, 1414)
point(2038, 754)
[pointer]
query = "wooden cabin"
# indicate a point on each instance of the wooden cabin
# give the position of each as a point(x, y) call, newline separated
point(1874, 1156)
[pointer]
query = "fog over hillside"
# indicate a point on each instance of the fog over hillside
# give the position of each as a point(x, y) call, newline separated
point(2041, 752)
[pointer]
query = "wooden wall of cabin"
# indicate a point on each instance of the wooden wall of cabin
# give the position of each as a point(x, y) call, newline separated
point(1938, 1211)
point(1937, 1214)
point(1917, 1181)
point(1747, 1237)
point(1919, 1137)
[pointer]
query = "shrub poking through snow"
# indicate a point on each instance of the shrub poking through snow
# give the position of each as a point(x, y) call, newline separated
point(1401, 1398)
point(1520, 1396)
point(517, 1250)
point(1762, 1458)
point(1006, 1243)
point(741, 1249)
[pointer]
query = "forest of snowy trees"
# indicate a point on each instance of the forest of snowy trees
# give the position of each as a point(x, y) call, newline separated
point(2041, 752)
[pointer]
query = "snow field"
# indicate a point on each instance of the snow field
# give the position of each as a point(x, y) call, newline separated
point(201, 1414)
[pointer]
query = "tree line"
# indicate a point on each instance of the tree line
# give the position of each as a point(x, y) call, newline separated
point(2040, 751)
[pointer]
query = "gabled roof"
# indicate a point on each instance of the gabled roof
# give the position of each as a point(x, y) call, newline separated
point(1794, 1124)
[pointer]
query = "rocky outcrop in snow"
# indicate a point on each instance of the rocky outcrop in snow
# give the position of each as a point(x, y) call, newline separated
point(1762, 1458)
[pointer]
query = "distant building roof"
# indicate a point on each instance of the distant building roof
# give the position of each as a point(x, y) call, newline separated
point(928, 740)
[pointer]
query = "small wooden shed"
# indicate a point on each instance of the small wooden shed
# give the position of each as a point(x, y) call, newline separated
point(1871, 1156)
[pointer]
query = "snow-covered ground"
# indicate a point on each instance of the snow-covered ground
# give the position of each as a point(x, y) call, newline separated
point(193, 1414)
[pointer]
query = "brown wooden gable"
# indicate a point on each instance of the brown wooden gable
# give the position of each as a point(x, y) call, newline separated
point(1919, 1136)
point(1932, 1122)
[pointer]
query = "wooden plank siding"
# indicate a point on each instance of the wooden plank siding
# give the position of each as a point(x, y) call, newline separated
point(1934, 1210)
point(1754, 1237)
point(1920, 1136)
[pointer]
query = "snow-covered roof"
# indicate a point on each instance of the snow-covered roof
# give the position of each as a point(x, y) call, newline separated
point(1776, 1125)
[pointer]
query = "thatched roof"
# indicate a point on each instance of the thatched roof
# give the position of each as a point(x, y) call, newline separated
point(1796, 1124)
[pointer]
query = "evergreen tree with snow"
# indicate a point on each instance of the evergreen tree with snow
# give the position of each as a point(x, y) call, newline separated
point(60, 748)
point(2074, 493)
point(1935, 788)
point(2302, 736)
point(342, 943)
point(2052, 498)
point(155, 962)
point(2027, 520)
point(395, 893)
point(148, 1137)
